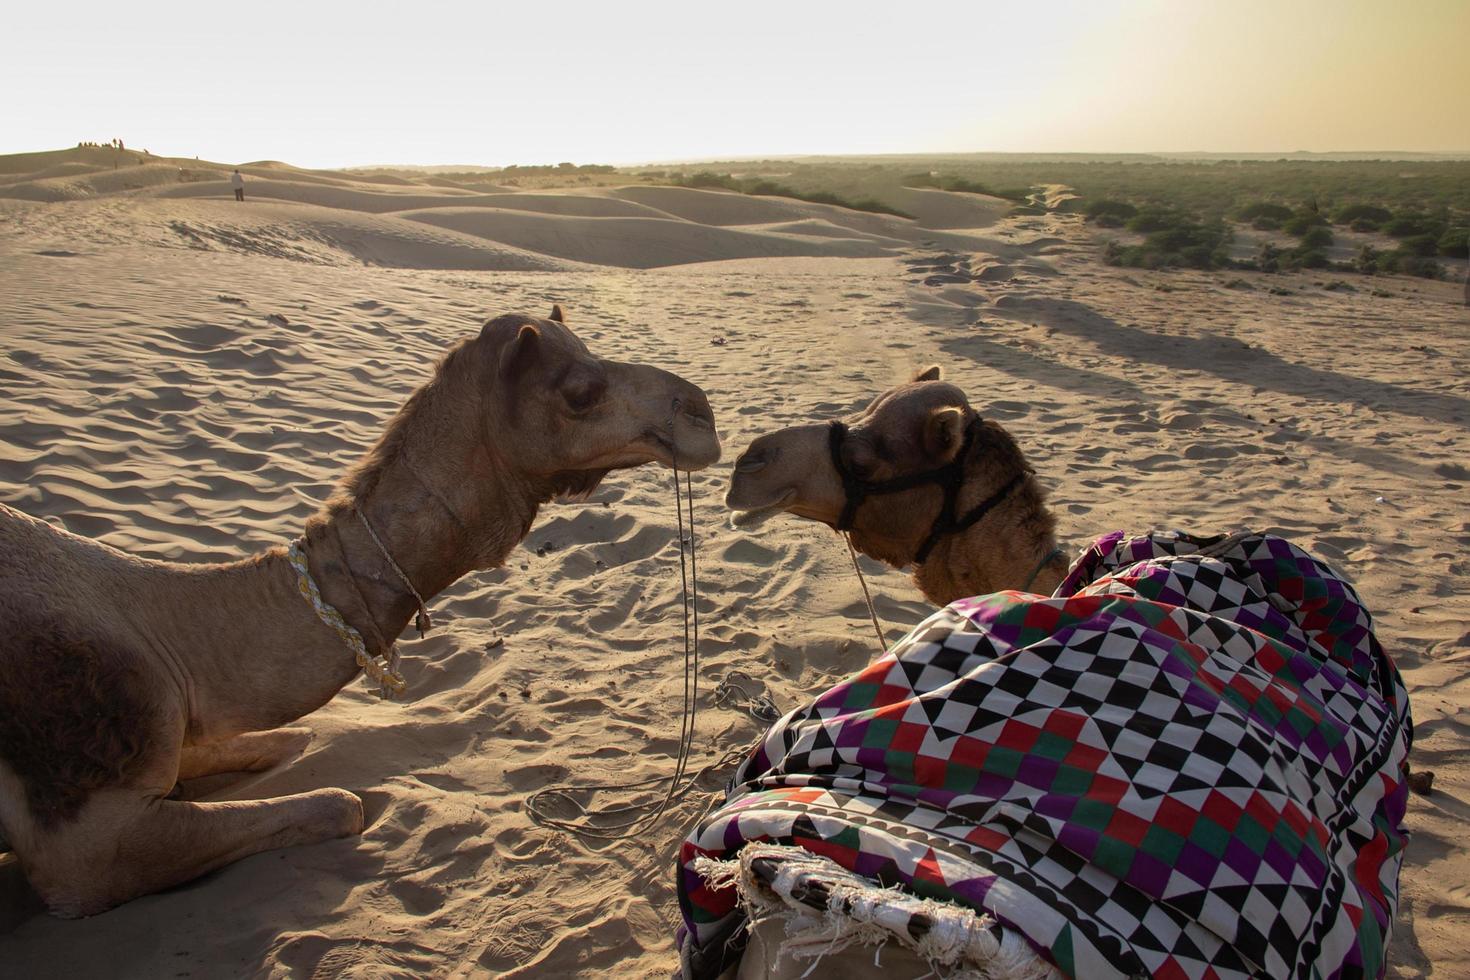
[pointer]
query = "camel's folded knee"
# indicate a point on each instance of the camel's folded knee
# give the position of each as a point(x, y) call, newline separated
point(74, 897)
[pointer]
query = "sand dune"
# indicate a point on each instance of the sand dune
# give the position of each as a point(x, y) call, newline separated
point(947, 209)
point(825, 229)
point(302, 233)
point(636, 243)
point(170, 384)
point(414, 197)
point(342, 196)
point(93, 183)
point(70, 168)
point(631, 227)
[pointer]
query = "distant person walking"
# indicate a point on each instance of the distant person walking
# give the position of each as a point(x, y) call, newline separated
point(238, 183)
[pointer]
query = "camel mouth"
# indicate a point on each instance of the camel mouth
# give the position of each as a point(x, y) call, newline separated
point(663, 449)
point(748, 518)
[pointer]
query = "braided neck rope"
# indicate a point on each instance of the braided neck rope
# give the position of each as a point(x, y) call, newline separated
point(382, 669)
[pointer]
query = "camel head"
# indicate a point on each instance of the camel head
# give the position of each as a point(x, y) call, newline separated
point(885, 474)
point(909, 429)
point(567, 417)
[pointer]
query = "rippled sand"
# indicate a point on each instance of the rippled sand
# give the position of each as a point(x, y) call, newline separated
point(183, 378)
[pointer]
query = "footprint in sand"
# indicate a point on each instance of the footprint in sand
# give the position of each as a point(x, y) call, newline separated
point(1205, 450)
point(417, 898)
point(748, 552)
point(533, 777)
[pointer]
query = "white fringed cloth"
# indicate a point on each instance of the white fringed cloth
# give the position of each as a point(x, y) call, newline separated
point(826, 909)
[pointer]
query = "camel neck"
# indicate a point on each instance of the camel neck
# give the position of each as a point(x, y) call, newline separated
point(415, 525)
point(1013, 547)
point(437, 524)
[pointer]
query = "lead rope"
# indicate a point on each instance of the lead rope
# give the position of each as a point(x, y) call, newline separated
point(867, 596)
point(421, 622)
point(628, 820)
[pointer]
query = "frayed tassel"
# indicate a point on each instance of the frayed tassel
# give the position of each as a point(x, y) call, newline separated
point(858, 911)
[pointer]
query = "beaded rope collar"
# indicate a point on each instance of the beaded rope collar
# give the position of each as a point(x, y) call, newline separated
point(382, 669)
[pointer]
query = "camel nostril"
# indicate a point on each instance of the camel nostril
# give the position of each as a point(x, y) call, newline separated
point(697, 413)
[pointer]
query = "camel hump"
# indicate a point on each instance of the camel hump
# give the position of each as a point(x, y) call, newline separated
point(557, 314)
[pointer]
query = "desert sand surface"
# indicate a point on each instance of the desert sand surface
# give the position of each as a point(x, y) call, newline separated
point(184, 377)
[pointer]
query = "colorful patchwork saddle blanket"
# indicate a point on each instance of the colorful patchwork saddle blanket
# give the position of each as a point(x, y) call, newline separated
point(1189, 761)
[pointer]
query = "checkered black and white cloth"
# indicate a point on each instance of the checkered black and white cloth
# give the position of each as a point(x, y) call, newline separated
point(1190, 761)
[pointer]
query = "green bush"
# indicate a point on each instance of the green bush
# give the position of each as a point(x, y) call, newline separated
point(769, 188)
point(1370, 260)
point(1310, 254)
point(1153, 219)
point(1398, 260)
point(707, 178)
point(1408, 224)
point(1352, 213)
point(1420, 245)
point(1317, 237)
point(560, 169)
point(1412, 265)
point(1109, 214)
point(1455, 243)
point(1364, 224)
point(964, 186)
point(1175, 240)
point(1264, 209)
point(1302, 222)
point(1266, 223)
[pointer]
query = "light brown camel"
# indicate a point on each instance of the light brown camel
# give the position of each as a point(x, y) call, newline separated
point(120, 676)
point(920, 439)
point(902, 455)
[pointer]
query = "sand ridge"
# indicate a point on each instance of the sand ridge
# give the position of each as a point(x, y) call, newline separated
point(193, 399)
point(628, 227)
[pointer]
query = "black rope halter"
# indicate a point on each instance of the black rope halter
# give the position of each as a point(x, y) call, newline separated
point(950, 476)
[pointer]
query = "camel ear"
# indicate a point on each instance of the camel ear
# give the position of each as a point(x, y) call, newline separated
point(944, 432)
point(521, 351)
point(557, 314)
point(930, 373)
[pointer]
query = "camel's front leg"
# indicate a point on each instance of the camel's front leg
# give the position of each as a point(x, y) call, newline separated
point(120, 847)
point(251, 752)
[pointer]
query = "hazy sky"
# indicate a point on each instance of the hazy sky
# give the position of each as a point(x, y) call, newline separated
point(333, 84)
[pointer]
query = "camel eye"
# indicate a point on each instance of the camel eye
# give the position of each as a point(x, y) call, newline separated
point(584, 393)
point(861, 463)
point(752, 461)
